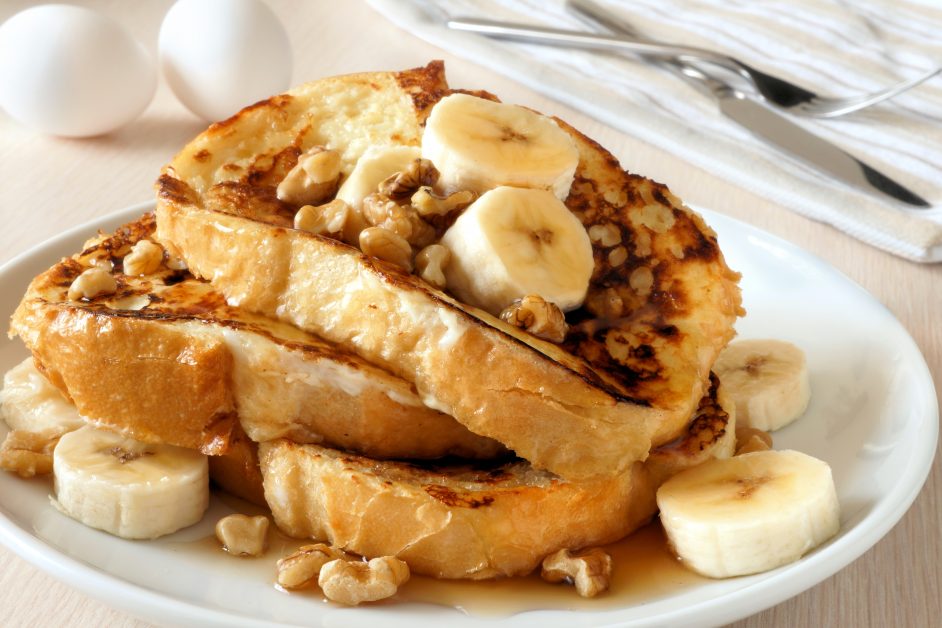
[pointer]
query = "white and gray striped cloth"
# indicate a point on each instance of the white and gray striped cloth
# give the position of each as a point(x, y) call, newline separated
point(831, 46)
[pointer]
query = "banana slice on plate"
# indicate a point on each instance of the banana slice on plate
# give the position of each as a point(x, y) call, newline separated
point(749, 513)
point(128, 488)
point(29, 402)
point(371, 169)
point(478, 144)
point(513, 242)
point(767, 379)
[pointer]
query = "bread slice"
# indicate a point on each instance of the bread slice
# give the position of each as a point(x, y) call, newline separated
point(465, 521)
point(630, 372)
point(165, 360)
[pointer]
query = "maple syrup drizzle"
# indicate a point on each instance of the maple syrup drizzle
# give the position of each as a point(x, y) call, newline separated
point(644, 571)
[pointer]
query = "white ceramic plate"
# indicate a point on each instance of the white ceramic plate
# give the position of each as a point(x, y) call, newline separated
point(873, 417)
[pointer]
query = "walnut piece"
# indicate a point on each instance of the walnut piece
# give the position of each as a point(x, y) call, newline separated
point(314, 179)
point(381, 211)
point(29, 453)
point(541, 318)
point(749, 439)
point(401, 185)
point(427, 203)
point(430, 262)
point(330, 218)
point(351, 583)
point(145, 258)
point(243, 535)
point(92, 283)
point(590, 570)
point(386, 245)
point(301, 568)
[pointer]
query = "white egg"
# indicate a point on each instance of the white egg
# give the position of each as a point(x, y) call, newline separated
point(71, 71)
point(221, 55)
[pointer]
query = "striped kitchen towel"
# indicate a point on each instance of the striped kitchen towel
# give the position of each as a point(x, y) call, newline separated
point(831, 46)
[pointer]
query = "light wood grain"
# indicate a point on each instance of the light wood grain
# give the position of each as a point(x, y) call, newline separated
point(49, 184)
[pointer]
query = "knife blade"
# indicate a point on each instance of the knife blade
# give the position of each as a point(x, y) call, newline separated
point(763, 122)
point(811, 149)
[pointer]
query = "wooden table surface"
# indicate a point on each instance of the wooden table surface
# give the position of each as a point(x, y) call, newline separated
point(48, 185)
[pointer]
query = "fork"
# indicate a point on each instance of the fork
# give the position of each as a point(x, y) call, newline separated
point(774, 90)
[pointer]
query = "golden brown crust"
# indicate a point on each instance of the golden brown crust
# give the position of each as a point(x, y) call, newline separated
point(463, 521)
point(166, 360)
point(661, 303)
point(446, 522)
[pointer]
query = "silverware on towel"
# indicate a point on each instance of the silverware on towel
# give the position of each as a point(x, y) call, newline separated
point(783, 133)
point(775, 90)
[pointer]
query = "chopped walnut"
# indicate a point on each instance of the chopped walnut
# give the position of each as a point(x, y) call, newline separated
point(313, 180)
point(386, 245)
point(352, 583)
point(590, 570)
point(749, 439)
point(330, 218)
point(606, 235)
point(29, 453)
point(381, 211)
point(427, 203)
point(430, 262)
point(401, 185)
point(145, 258)
point(539, 317)
point(243, 535)
point(92, 283)
point(301, 568)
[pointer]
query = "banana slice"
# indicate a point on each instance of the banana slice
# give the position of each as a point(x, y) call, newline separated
point(479, 144)
point(750, 513)
point(376, 164)
point(767, 379)
point(128, 488)
point(514, 242)
point(29, 402)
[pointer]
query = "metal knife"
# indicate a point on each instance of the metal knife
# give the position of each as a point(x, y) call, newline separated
point(760, 120)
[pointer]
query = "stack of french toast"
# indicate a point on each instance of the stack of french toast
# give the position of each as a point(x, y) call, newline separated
point(412, 321)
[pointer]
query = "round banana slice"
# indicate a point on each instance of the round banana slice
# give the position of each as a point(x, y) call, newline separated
point(514, 242)
point(128, 488)
point(749, 513)
point(479, 144)
point(767, 379)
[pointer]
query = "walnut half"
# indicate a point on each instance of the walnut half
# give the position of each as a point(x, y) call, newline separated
point(243, 535)
point(302, 568)
point(352, 583)
point(539, 317)
point(29, 453)
point(590, 570)
point(313, 180)
point(92, 283)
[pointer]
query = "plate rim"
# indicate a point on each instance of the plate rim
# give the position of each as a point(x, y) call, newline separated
point(748, 600)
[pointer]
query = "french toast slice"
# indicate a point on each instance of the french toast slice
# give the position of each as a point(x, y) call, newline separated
point(628, 375)
point(474, 521)
point(165, 360)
